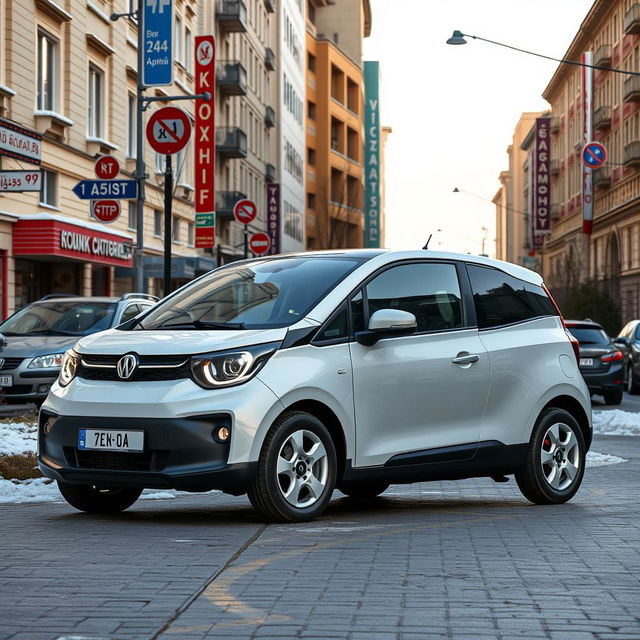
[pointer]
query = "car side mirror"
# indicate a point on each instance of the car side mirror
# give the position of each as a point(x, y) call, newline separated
point(622, 342)
point(387, 323)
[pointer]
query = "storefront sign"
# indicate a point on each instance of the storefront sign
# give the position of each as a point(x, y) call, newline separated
point(372, 154)
point(49, 236)
point(19, 143)
point(541, 209)
point(205, 230)
point(20, 180)
point(273, 217)
point(587, 136)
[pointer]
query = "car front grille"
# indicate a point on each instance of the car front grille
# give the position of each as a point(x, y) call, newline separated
point(10, 363)
point(116, 461)
point(150, 368)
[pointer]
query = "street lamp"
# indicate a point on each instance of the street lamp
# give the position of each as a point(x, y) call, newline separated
point(458, 38)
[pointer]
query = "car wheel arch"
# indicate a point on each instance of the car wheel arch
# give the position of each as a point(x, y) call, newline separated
point(572, 406)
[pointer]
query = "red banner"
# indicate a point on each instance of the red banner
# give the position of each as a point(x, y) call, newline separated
point(205, 128)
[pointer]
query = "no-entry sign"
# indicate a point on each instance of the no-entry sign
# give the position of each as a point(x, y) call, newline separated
point(259, 243)
point(106, 210)
point(245, 211)
point(168, 130)
point(107, 167)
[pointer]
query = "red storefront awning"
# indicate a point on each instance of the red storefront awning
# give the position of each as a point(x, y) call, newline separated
point(54, 235)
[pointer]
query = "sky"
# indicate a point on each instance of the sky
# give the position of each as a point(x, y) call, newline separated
point(453, 108)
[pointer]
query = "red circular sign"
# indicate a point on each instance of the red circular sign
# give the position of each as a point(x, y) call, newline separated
point(245, 211)
point(168, 130)
point(106, 210)
point(107, 167)
point(259, 243)
point(594, 155)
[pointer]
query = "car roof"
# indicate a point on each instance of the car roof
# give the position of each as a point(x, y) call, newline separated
point(84, 299)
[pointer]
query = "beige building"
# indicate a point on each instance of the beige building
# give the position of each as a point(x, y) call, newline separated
point(68, 73)
point(513, 236)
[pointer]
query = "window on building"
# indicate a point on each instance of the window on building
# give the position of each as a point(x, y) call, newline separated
point(157, 223)
point(311, 157)
point(95, 111)
point(49, 188)
point(311, 110)
point(131, 126)
point(311, 200)
point(47, 90)
point(188, 54)
point(190, 233)
point(175, 229)
point(177, 40)
point(133, 215)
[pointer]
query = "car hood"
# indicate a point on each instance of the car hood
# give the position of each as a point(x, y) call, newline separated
point(176, 342)
point(32, 346)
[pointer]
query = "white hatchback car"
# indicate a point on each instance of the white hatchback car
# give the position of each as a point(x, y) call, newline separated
point(285, 377)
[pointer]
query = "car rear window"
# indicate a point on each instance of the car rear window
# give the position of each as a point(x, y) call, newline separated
point(590, 336)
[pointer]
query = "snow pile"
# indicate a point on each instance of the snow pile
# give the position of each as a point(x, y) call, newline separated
point(17, 437)
point(616, 423)
point(595, 459)
point(33, 490)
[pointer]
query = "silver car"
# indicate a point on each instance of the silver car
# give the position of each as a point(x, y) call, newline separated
point(39, 334)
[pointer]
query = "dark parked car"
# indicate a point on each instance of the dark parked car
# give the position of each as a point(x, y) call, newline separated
point(601, 360)
point(628, 341)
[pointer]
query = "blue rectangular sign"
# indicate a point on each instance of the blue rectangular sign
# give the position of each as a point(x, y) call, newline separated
point(100, 189)
point(157, 30)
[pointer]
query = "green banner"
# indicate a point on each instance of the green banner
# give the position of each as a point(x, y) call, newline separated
point(372, 154)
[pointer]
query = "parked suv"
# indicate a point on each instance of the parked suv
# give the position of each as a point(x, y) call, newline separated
point(39, 334)
point(287, 376)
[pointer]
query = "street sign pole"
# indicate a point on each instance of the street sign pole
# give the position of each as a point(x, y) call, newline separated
point(139, 282)
point(246, 241)
point(168, 197)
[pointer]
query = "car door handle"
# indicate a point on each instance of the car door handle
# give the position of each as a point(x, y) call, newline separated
point(470, 359)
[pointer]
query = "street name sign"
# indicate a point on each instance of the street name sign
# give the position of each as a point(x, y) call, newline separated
point(112, 189)
point(19, 143)
point(106, 210)
point(245, 211)
point(20, 180)
point(259, 243)
point(157, 32)
point(594, 155)
point(168, 130)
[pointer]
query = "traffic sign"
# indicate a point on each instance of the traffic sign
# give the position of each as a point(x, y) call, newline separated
point(157, 29)
point(168, 130)
point(205, 230)
point(245, 211)
point(105, 210)
point(98, 189)
point(259, 243)
point(594, 155)
point(107, 167)
point(20, 180)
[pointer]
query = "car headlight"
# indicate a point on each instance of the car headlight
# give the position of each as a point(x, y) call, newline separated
point(50, 361)
point(227, 368)
point(69, 367)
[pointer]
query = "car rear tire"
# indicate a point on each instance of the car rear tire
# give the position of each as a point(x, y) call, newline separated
point(94, 499)
point(363, 490)
point(555, 461)
point(296, 471)
point(613, 396)
point(633, 387)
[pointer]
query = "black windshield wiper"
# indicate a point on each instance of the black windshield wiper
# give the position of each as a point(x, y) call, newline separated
point(49, 332)
point(199, 324)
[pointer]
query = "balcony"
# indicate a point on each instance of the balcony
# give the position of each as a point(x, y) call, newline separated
point(556, 163)
point(270, 6)
point(632, 89)
point(231, 142)
point(602, 56)
point(269, 172)
point(270, 117)
point(269, 59)
point(231, 15)
point(231, 78)
point(225, 201)
point(632, 19)
point(602, 177)
point(632, 154)
point(555, 211)
point(602, 118)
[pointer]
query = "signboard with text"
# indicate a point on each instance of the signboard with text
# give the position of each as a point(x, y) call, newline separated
point(541, 209)
point(20, 180)
point(19, 143)
point(372, 212)
point(157, 29)
point(205, 230)
point(273, 217)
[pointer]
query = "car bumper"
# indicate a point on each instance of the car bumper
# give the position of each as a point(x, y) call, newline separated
point(605, 381)
point(29, 385)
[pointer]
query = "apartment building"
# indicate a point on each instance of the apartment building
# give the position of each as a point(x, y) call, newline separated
point(246, 118)
point(68, 73)
point(610, 254)
point(335, 123)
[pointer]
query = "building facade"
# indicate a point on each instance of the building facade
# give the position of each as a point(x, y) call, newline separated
point(68, 73)
point(335, 123)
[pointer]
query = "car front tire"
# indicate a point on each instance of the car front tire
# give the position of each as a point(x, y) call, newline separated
point(296, 471)
point(633, 387)
point(613, 396)
point(555, 461)
point(94, 499)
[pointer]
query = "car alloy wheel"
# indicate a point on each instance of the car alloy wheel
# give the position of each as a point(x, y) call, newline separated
point(560, 456)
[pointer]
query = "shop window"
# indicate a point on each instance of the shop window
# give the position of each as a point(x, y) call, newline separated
point(49, 188)
point(95, 110)
point(157, 223)
point(47, 90)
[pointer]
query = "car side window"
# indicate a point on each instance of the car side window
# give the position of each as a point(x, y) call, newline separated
point(130, 312)
point(430, 291)
point(637, 332)
point(337, 328)
point(502, 299)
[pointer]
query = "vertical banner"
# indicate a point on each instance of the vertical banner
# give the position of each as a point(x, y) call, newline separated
point(371, 154)
point(540, 212)
point(587, 137)
point(205, 142)
point(273, 217)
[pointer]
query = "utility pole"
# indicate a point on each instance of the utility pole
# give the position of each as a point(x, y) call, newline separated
point(139, 284)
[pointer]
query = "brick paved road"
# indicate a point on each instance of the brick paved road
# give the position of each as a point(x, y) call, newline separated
point(465, 560)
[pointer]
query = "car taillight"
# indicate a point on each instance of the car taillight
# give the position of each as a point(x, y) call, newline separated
point(612, 357)
point(574, 342)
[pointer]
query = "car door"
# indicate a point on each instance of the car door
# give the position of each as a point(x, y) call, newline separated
point(409, 393)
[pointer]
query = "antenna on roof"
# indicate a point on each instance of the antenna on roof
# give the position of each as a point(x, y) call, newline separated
point(426, 246)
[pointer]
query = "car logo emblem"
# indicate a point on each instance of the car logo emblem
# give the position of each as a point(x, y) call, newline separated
point(126, 366)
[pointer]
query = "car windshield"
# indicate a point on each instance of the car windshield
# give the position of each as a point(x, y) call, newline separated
point(585, 335)
point(259, 295)
point(60, 318)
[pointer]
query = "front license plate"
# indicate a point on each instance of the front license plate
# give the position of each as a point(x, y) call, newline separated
point(6, 381)
point(109, 440)
point(586, 362)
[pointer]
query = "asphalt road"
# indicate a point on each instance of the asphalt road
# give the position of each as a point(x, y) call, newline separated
point(464, 560)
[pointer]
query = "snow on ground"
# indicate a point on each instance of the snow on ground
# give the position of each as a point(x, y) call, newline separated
point(616, 423)
point(595, 459)
point(17, 437)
